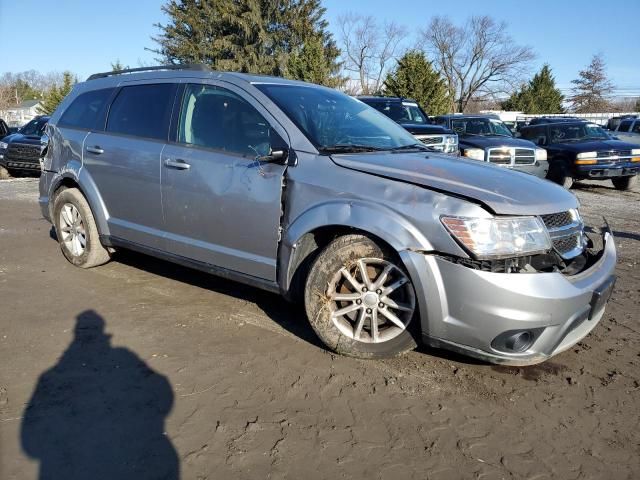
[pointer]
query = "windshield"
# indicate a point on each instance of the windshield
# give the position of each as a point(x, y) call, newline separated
point(332, 120)
point(34, 127)
point(486, 127)
point(402, 113)
point(576, 132)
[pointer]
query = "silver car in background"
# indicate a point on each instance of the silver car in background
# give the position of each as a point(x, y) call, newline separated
point(628, 130)
point(307, 192)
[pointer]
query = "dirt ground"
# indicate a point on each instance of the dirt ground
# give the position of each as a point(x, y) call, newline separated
point(144, 366)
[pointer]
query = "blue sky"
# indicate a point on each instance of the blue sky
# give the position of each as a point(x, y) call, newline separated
point(85, 36)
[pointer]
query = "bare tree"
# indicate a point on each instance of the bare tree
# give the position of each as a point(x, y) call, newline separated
point(478, 60)
point(592, 88)
point(368, 48)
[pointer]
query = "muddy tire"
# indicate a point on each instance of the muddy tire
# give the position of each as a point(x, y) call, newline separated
point(77, 231)
point(360, 300)
point(625, 183)
point(4, 173)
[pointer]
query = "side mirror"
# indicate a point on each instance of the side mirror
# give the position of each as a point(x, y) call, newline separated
point(541, 141)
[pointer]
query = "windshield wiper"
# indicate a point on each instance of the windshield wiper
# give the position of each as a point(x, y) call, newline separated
point(412, 146)
point(348, 148)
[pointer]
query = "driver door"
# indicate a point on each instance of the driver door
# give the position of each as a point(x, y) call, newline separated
point(221, 205)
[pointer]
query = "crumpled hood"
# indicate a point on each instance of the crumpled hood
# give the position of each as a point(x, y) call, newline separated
point(502, 190)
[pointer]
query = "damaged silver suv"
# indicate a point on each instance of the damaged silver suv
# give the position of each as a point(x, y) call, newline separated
point(305, 191)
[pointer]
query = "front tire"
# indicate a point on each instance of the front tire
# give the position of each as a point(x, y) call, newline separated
point(4, 173)
point(77, 231)
point(360, 301)
point(625, 183)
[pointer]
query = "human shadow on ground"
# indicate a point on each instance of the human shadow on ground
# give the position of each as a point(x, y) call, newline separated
point(99, 413)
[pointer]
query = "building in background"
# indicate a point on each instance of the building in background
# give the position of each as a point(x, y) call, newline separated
point(21, 114)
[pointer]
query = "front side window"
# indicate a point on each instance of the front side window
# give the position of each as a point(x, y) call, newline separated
point(216, 118)
point(401, 112)
point(142, 111)
point(84, 110)
point(333, 121)
point(624, 126)
point(636, 127)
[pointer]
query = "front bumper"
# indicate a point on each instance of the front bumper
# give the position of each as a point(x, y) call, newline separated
point(607, 171)
point(464, 310)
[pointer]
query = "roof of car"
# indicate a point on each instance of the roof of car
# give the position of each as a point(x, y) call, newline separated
point(178, 71)
point(381, 98)
point(545, 124)
point(469, 115)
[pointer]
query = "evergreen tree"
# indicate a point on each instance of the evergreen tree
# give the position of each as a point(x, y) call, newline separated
point(592, 88)
point(56, 94)
point(540, 95)
point(118, 66)
point(256, 36)
point(414, 77)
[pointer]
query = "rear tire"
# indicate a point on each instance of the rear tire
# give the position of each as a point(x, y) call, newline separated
point(77, 231)
point(625, 183)
point(380, 310)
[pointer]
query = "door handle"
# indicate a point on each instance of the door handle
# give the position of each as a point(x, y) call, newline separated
point(97, 150)
point(177, 164)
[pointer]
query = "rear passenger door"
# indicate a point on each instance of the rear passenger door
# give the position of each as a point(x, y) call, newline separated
point(124, 161)
point(222, 206)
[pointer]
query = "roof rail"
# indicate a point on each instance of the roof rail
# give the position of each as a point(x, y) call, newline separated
point(186, 66)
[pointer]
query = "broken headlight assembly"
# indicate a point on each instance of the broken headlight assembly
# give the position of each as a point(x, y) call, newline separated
point(499, 237)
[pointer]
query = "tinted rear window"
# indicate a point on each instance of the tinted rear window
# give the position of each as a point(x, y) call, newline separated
point(85, 110)
point(142, 111)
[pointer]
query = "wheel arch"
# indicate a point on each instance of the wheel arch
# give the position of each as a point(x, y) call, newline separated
point(318, 226)
point(82, 181)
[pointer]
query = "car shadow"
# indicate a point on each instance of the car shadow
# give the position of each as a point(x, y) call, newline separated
point(628, 235)
point(100, 413)
point(290, 316)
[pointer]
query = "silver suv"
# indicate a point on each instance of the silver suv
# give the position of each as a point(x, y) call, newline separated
point(307, 192)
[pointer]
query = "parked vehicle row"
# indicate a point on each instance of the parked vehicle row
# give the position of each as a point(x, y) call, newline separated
point(629, 130)
point(303, 190)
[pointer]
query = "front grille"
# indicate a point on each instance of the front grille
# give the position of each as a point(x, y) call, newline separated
point(556, 220)
point(431, 140)
point(566, 244)
point(566, 233)
point(512, 156)
point(614, 153)
point(524, 156)
point(18, 152)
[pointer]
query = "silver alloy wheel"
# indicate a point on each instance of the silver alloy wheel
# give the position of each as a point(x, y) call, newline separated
point(372, 302)
point(73, 233)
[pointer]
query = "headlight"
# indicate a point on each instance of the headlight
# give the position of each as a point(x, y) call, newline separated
point(635, 153)
point(586, 158)
point(499, 237)
point(541, 154)
point(474, 153)
point(4, 145)
point(451, 140)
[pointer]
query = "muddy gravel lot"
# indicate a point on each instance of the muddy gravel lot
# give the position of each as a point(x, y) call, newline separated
point(144, 366)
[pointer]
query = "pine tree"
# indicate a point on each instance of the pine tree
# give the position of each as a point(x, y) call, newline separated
point(414, 77)
point(56, 94)
point(592, 88)
point(255, 36)
point(118, 66)
point(540, 95)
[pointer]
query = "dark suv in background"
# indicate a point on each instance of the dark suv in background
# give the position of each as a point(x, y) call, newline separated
point(582, 150)
point(412, 118)
point(21, 151)
point(487, 139)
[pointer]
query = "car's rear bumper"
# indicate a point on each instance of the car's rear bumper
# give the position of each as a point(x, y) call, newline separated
point(465, 310)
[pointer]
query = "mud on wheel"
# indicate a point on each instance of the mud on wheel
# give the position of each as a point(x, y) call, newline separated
point(360, 301)
point(77, 231)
